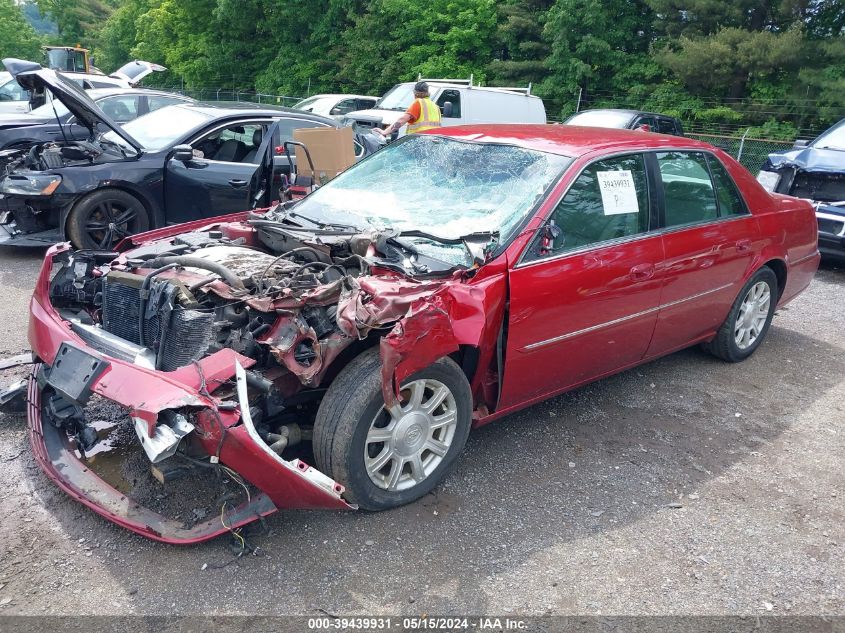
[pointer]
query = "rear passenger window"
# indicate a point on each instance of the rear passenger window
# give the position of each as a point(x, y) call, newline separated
point(730, 202)
point(608, 201)
point(687, 189)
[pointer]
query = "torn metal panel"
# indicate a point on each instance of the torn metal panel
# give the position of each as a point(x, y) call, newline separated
point(420, 338)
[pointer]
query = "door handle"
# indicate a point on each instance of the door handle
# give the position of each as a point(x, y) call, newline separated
point(743, 246)
point(237, 184)
point(642, 272)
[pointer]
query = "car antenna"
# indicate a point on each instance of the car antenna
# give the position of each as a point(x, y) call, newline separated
point(58, 120)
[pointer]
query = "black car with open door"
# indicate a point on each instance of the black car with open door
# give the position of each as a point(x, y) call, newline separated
point(179, 163)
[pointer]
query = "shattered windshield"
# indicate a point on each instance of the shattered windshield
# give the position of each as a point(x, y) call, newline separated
point(397, 98)
point(440, 186)
point(834, 138)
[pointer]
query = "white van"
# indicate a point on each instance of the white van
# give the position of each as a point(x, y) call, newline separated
point(469, 104)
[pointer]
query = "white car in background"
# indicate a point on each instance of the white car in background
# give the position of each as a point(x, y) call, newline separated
point(336, 105)
point(460, 102)
point(14, 99)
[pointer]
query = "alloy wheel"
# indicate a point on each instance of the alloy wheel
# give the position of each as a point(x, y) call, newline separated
point(406, 443)
point(752, 316)
point(109, 222)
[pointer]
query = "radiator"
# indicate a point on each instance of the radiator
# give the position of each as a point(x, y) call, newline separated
point(186, 338)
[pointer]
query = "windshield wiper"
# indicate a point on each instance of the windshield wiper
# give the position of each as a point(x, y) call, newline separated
point(475, 243)
point(320, 225)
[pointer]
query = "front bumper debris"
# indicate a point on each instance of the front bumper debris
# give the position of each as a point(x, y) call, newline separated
point(152, 398)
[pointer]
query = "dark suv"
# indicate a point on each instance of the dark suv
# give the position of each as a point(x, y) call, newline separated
point(627, 120)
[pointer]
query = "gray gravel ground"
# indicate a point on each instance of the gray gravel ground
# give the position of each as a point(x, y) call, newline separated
point(686, 486)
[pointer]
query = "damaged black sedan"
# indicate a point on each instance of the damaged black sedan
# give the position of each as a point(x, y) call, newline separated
point(180, 163)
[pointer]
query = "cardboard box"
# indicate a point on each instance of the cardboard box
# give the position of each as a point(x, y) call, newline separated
point(332, 150)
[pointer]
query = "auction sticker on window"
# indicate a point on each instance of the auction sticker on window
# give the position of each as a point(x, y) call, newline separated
point(618, 193)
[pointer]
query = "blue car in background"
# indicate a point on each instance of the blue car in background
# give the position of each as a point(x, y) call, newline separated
point(815, 171)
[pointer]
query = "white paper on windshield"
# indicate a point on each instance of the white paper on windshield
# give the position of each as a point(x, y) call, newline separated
point(618, 193)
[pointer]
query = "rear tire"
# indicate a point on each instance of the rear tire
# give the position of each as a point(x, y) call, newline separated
point(389, 458)
point(749, 319)
point(101, 219)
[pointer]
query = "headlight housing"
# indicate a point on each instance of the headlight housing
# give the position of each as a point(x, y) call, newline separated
point(32, 185)
point(769, 180)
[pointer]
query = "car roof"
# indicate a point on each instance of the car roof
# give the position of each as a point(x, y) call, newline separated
point(216, 109)
point(567, 140)
point(99, 93)
point(626, 111)
point(337, 95)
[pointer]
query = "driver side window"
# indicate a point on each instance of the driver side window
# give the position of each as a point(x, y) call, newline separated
point(608, 201)
point(237, 143)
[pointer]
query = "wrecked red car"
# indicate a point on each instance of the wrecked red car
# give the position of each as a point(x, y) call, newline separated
point(335, 352)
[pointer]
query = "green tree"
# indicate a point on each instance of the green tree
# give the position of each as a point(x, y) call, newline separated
point(519, 48)
point(395, 41)
point(17, 37)
point(598, 48)
point(717, 46)
point(77, 20)
point(119, 35)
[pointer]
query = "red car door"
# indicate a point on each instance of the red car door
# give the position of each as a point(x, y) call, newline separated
point(587, 304)
point(709, 243)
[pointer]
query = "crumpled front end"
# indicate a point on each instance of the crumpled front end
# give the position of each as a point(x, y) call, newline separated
point(170, 412)
point(216, 344)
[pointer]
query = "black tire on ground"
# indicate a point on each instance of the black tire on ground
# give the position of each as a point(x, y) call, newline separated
point(348, 409)
point(725, 345)
point(103, 218)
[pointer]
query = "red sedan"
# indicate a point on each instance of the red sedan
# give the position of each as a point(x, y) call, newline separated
point(445, 281)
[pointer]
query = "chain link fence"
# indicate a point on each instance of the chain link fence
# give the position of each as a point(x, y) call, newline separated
point(229, 94)
point(750, 152)
point(733, 139)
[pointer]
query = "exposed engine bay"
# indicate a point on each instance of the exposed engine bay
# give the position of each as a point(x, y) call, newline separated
point(290, 298)
point(53, 155)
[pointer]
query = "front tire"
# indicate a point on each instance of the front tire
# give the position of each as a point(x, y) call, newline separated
point(749, 319)
point(101, 219)
point(387, 458)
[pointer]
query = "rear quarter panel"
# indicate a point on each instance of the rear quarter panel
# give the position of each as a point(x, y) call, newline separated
point(788, 230)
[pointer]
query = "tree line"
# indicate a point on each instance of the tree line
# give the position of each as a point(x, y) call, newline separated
point(779, 64)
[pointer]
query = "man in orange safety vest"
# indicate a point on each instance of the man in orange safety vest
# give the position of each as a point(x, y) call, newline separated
point(422, 114)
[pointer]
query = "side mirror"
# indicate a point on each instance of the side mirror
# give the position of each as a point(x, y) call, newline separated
point(800, 143)
point(548, 235)
point(447, 109)
point(183, 153)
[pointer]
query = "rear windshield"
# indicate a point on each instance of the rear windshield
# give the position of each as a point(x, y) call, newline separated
point(601, 118)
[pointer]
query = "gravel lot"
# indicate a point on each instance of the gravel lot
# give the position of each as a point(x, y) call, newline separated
point(687, 486)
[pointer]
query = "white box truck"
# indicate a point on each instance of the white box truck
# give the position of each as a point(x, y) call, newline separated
point(460, 103)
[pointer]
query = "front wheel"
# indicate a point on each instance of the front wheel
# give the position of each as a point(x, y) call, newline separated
point(390, 457)
point(101, 219)
point(749, 319)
